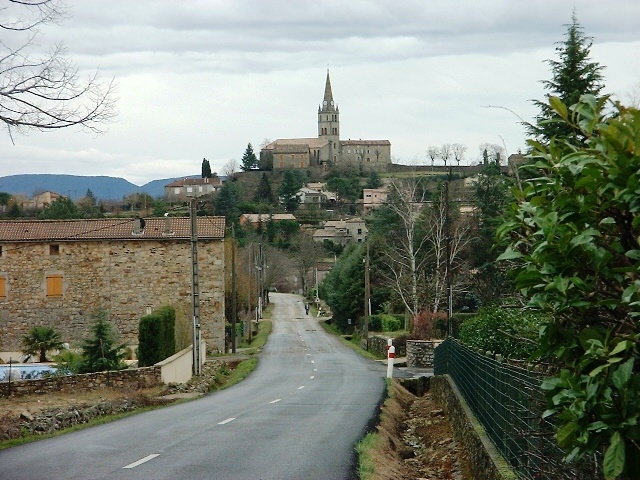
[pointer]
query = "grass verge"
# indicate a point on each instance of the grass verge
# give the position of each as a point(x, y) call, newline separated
point(226, 377)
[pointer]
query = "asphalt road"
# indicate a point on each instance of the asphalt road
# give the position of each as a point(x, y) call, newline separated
point(297, 416)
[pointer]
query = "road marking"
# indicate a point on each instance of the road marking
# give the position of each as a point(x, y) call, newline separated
point(275, 401)
point(224, 422)
point(311, 377)
point(313, 361)
point(301, 387)
point(142, 460)
point(315, 369)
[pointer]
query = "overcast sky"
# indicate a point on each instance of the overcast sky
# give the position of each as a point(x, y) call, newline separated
point(201, 79)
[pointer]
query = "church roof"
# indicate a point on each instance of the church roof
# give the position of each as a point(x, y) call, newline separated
point(365, 142)
point(309, 142)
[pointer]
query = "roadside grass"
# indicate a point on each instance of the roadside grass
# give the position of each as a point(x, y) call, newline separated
point(350, 341)
point(227, 376)
point(260, 339)
point(365, 449)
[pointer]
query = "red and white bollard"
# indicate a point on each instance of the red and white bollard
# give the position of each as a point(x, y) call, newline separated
point(391, 353)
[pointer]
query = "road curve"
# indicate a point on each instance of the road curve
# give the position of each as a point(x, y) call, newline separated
point(297, 416)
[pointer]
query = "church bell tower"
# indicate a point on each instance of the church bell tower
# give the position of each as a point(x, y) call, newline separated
point(329, 119)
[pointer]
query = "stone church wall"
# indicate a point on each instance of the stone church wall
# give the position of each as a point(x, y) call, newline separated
point(127, 278)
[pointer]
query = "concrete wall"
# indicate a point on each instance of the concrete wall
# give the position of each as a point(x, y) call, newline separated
point(178, 368)
point(125, 277)
point(485, 461)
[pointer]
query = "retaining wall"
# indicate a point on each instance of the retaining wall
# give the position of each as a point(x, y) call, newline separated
point(485, 461)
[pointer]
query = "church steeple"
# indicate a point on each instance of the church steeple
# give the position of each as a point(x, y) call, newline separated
point(329, 116)
point(327, 101)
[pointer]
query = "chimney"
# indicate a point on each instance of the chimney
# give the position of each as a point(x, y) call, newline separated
point(167, 225)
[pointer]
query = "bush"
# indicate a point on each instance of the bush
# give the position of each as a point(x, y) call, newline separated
point(508, 331)
point(156, 336)
point(385, 322)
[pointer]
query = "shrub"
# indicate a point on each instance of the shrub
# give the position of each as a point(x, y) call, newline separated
point(156, 336)
point(508, 331)
point(427, 325)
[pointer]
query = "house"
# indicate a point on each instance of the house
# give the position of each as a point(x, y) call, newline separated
point(326, 149)
point(57, 272)
point(186, 188)
point(373, 198)
point(255, 219)
point(310, 196)
point(342, 231)
point(39, 201)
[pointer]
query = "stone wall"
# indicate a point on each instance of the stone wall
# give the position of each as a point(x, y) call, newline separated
point(130, 379)
point(420, 353)
point(484, 459)
point(378, 346)
point(125, 277)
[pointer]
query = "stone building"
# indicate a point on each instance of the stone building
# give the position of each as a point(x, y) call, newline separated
point(183, 189)
point(327, 149)
point(58, 272)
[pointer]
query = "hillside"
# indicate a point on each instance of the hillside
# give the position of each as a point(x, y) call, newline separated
point(76, 186)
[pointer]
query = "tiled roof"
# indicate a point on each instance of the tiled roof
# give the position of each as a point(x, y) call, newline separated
point(365, 142)
point(310, 142)
point(195, 181)
point(108, 229)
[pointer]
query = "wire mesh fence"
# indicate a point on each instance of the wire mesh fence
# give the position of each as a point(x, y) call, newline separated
point(507, 400)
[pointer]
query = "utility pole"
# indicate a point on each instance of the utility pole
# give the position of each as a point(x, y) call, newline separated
point(367, 297)
point(195, 287)
point(234, 304)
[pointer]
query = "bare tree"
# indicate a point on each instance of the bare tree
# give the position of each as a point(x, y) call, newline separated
point(230, 168)
point(433, 153)
point(403, 252)
point(414, 258)
point(494, 153)
point(440, 224)
point(44, 91)
point(306, 253)
point(458, 150)
point(445, 153)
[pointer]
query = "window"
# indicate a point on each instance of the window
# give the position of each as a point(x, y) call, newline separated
point(54, 286)
point(3, 287)
point(54, 249)
point(176, 190)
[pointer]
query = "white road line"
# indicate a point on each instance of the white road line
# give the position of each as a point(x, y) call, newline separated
point(315, 369)
point(275, 401)
point(313, 361)
point(142, 460)
point(311, 377)
point(301, 387)
point(224, 422)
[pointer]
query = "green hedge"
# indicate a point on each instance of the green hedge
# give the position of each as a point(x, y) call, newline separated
point(156, 336)
point(384, 322)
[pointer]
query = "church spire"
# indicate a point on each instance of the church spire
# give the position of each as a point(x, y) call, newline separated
point(327, 102)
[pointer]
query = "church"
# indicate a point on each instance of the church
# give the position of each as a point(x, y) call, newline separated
point(327, 150)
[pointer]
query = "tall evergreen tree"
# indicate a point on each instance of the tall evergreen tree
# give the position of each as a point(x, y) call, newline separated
point(226, 202)
point(264, 194)
point(206, 169)
point(291, 183)
point(249, 159)
point(374, 180)
point(573, 74)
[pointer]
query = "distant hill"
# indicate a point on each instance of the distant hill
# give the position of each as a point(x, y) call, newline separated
point(76, 186)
